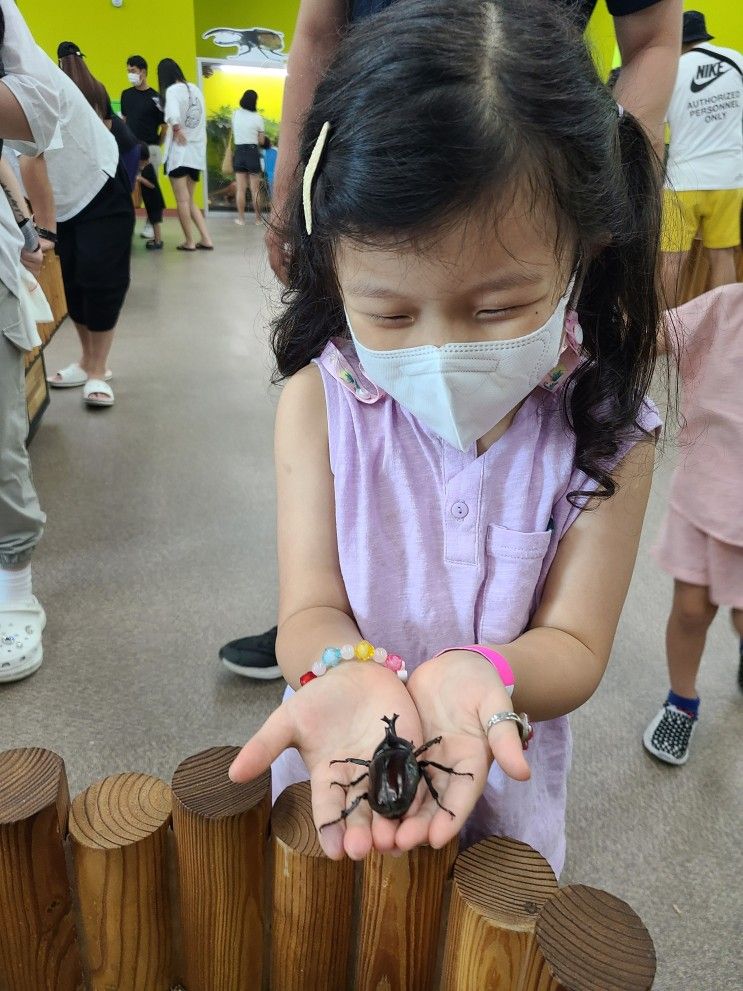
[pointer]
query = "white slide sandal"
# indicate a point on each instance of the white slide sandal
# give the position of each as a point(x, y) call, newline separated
point(100, 389)
point(72, 377)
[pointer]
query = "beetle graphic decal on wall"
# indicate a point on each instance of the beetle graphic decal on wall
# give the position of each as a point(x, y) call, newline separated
point(254, 46)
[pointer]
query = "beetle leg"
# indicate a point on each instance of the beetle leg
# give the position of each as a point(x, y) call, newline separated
point(425, 746)
point(346, 812)
point(449, 770)
point(351, 760)
point(350, 784)
point(427, 778)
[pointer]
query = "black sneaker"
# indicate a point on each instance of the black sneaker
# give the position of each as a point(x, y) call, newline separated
point(253, 657)
point(668, 736)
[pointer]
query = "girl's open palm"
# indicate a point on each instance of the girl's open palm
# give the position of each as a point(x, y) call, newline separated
point(455, 695)
point(331, 718)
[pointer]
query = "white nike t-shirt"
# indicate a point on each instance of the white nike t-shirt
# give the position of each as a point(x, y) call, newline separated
point(706, 120)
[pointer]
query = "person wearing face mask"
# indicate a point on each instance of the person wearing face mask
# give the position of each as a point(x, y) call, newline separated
point(469, 332)
point(143, 112)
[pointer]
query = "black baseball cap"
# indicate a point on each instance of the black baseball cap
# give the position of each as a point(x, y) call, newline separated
point(695, 28)
point(68, 48)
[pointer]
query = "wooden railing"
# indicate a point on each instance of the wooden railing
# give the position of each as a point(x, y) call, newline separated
point(140, 886)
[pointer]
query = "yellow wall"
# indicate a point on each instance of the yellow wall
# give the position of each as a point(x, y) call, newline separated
point(108, 35)
point(224, 89)
point(724, 21)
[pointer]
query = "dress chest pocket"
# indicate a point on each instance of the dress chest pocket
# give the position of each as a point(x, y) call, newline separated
point(513, 563)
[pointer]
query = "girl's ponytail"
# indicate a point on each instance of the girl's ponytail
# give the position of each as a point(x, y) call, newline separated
point(620, 309)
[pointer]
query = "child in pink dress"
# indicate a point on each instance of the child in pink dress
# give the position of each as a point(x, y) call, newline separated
point(467, 184)
point(701, 541)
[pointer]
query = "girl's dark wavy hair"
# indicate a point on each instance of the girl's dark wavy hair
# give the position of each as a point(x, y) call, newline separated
point(437, 106)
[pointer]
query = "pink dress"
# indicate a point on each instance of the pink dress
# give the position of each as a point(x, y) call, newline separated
point(707, 486)
point(439, 547)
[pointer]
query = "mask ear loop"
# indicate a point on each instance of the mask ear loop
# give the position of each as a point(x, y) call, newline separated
point(309, 175)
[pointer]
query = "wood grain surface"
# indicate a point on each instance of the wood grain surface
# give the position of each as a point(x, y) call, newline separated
point(220, 837)
point(499, 887)
point(589, 940)
point(400, 917)
point(312, 902)
point(118, 832)
point(38, 945)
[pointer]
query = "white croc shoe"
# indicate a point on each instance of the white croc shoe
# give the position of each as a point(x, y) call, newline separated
point(21, 652)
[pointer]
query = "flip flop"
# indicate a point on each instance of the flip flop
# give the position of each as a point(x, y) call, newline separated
point(98, 386)
point(204, 247)
point(73, 376)
point(182, 247)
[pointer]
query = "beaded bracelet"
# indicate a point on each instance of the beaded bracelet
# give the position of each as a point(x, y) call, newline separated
point(363, 651)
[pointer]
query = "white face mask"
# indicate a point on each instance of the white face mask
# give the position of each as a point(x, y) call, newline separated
point(133, 77)
point(460, 391)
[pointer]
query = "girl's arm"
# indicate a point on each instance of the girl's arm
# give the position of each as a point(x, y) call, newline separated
point(145, 182)
point(559, 662)
point(313, 606)
point(338, 715)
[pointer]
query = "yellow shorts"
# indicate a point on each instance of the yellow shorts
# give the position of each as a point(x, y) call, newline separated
point(715, 211)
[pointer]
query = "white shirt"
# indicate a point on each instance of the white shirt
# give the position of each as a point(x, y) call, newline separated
point(30, 81)
point(706, 149)
point(184, 105)
point(245, 126)
point(88, 155)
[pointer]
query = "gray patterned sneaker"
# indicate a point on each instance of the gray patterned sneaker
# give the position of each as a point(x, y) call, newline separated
point(668, 736)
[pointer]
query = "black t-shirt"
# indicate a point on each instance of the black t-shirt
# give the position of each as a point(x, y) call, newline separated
point(143, 113)
point(581, 9)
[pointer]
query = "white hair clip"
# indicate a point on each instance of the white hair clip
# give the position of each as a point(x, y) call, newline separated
point(309, 175)
point(620, 110)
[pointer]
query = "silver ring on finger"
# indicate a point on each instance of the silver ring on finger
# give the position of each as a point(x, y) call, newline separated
point(525, 728)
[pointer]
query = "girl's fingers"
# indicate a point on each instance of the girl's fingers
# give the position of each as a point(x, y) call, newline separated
point(384, 833)
point(508, 752)
point(262, 749)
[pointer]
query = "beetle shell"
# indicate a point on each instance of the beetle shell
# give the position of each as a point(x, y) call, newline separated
point(393, 781)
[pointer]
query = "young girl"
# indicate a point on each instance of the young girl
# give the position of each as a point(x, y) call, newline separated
point(701, 542)
point(467, 182)
point(185, 149)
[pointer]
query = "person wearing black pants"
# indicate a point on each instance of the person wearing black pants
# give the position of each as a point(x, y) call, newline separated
point(81, 190)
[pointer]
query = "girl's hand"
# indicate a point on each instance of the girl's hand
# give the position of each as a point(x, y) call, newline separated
point(455, 695)
point(333, 717)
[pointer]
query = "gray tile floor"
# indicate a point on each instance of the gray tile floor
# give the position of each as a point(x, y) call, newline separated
point(160, 546)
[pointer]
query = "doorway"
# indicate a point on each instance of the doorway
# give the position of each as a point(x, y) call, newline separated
point(222, 83)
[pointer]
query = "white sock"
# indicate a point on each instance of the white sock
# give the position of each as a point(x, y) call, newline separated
point(15, 586)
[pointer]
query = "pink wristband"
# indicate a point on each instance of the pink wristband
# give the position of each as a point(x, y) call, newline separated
point(498, 661)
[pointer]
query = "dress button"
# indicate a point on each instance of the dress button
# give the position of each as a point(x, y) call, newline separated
point(459, 510)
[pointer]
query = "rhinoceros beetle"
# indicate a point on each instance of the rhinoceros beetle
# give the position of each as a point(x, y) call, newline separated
point(394, 774)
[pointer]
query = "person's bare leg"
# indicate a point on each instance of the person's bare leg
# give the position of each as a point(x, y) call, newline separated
point(686, 633)
point(241, 181)
point(84, 334)
point(721, 266)
point(672, 263)
point(196, 215)
point(255, 193)
point(99, 348)
point(183, 203)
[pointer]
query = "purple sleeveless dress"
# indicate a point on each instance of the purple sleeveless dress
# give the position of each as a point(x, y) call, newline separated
point(464, 544)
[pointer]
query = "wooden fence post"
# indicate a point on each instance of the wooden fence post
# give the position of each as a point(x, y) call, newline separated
point(587, 939)
point(38, 946)
point(400, 918)
point(220, 836)
point(312, 902)
point(498, 889)
point(119, 832)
